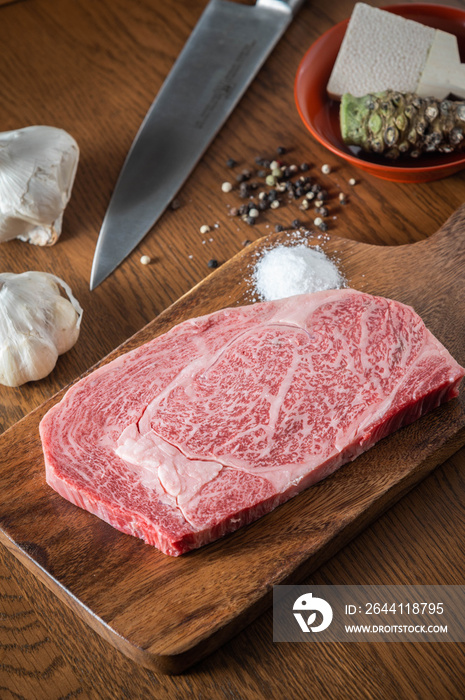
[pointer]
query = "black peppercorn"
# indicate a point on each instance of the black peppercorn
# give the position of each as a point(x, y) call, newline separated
point(212, 263)
point(244, 190)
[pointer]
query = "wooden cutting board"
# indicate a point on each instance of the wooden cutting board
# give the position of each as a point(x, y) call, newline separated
point(166, 613)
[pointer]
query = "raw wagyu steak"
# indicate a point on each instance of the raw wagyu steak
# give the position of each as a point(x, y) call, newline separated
point(226, 416)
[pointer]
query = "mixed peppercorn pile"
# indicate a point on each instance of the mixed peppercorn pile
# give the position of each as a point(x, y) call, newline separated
point(273, 183)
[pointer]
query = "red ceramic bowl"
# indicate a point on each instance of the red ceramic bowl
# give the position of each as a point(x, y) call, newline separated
point(320, 114)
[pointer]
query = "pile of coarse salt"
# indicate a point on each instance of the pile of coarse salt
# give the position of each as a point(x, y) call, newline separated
point(288, 270)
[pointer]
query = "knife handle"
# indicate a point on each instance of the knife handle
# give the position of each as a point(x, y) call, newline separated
point(289, 5)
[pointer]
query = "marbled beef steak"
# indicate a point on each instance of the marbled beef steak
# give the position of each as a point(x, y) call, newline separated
point(215, 423)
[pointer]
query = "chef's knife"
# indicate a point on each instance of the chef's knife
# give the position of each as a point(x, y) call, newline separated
point(220, 59)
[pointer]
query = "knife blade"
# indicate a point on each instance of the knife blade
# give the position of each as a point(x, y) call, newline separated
point(220, 59)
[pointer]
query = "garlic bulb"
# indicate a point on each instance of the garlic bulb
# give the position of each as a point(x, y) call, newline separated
point(37, 324)
point(37, 169)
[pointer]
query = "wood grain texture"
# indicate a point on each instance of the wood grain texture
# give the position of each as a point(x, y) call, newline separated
point(28, 640)
point(225, 585)
point(76, 64)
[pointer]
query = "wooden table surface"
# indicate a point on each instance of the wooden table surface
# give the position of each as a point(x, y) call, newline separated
point(93, 69)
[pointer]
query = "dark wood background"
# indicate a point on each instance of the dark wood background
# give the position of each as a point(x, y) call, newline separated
point(93, 69)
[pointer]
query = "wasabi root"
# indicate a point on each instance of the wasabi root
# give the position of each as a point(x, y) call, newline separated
point(392, 124)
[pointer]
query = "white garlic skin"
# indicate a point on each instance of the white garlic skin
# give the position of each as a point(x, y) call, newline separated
point(37, 324)
point(37, 169)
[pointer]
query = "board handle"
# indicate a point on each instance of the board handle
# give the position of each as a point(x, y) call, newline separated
point(452, 229)
point(439, 259)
